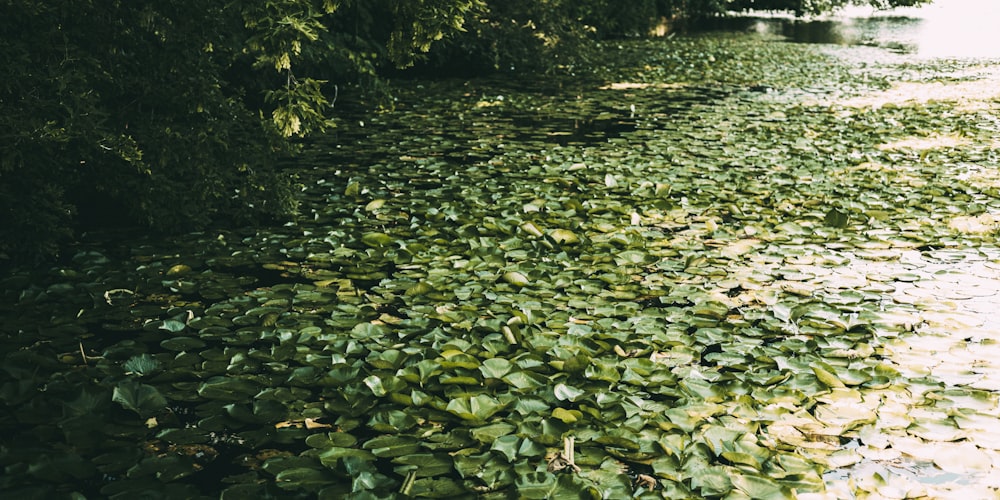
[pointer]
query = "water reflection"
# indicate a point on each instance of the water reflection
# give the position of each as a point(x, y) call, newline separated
point(944, 29)
point(960, 28)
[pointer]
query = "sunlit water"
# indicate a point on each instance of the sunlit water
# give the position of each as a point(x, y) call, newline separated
point(940, 438)
point(949, 297)
point(960, 29)
point(946, 28)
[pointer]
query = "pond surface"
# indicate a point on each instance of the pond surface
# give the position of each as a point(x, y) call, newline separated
point(946, 28)
point(722, 265)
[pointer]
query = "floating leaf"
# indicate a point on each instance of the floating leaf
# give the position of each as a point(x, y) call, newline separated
point(182, 344)
point(489, 433)
point(962, 458)
point(564, 392)
point(178, 270)
point(376, 239)
point(141, 398)
point(609, 181)
point(836, 218)
point(173, 325)
point(630, 257)
point(537, 485)
point(302, 478)
point(507, 446)
point(331, 457)
point(530, 228)
point(760, 487)
point(331, 440)
point(228, 389)
point(374, 205)
point(392, 446)
point(826, 374)
point(516, 278)
point(567, 416)
point(564, 237)
point(438, 487)
point(476, 409)
point(426, 464)
point(142, 364)
point(495, 367)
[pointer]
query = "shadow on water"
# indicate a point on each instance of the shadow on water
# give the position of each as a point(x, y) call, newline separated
point(566, 131)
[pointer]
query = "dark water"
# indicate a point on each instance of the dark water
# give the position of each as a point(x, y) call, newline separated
point(893, 33)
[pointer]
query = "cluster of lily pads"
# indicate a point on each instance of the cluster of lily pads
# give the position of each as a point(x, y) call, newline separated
point(662, 280)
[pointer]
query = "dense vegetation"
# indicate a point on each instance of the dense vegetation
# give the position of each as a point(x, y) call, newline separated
point(172, 116)
point(698, 278)
point(725, 267)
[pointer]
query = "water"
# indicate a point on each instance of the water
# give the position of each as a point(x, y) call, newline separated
point(958, 29)
point(946, 28)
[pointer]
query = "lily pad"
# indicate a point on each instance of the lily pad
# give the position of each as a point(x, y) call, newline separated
point(141, 398)
point(475, 409)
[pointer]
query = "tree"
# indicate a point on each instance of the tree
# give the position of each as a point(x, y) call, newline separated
point(171, 115)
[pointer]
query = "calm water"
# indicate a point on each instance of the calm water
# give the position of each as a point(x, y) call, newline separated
point(945, 29)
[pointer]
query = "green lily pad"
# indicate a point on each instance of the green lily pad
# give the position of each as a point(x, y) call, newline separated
point(173, 326)
point(567, 416)
point(228, 389)
point(564, 392)
point(836, 218)
point(376, 239)
point(302, 478)
point(827, 375)
point(760, 487)
point(436, 488)
point(489, 433)
point(392, 446)
point(142, 364)
point(425, 464)
point(495, 368)
point(141, 398)
point(475, 409)
point(507, 446)
point(516, 278)
point(182, 344)
point(538, 485)
point(564, 237)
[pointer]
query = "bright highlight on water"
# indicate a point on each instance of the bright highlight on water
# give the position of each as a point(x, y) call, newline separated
point(946, 28)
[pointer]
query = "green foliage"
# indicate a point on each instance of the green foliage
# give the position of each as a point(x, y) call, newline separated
point(114, 110)
point(418, 24)
point(617, 19)
point(174, 115)
point(140, 398)
point(714, 300)
point(518, 35)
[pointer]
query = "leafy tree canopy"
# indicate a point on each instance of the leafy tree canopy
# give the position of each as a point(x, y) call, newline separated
point(171, 114)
